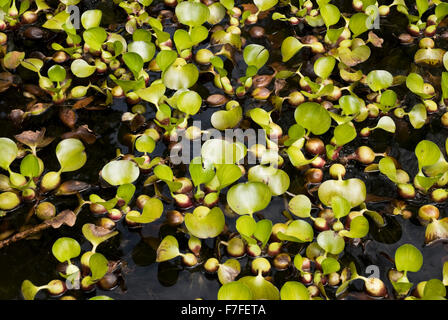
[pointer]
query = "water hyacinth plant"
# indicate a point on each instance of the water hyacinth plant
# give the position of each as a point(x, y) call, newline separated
point(279, 150)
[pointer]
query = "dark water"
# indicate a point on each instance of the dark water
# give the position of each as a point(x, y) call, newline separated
point(142, 277)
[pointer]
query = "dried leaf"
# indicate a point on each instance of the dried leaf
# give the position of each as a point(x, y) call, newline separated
point(83, 103)
point(66, 217)
point(71, 187)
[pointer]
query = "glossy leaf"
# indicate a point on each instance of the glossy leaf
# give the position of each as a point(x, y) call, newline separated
point(118, 172)
point(71, 155)
point(65, 249)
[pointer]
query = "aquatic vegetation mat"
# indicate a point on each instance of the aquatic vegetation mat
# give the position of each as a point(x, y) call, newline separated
point(232, 150)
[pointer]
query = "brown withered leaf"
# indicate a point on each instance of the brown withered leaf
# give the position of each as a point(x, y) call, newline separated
point(6, 81)
point(253, 9)
point(34, 139)
point(83, 132)
point(375, 40)
point(83, 103)
point(66, 217)
point(34, 90)
point(71, 187)
point(261, 80)
point(68, 117)
point(137, 122)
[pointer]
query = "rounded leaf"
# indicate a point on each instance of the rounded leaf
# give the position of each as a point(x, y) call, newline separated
point(65, 249)
point(314, 117)
point(249, 197)
point(70, 154)
point(9, 152)
point(205, 223)
point(293, 290)
point(120, 172)
point(408, 258)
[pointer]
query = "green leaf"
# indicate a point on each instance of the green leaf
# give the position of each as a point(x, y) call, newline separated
point(198, 173)
point(249, 197)
point(297, 231)
point(57, 73)
point(261, 288)
point(180, 75)
point(354, 190)
point(162, 171)
point(235, 290)
point(153, 93)
point(219, 151)
point(165, 58)
point(330, 13)
point(204, 222)
point(118, 172)
point(228, 174)
point(277, 180)
point(152, 211)
point(65, 249)
point(387, 167)
point(408, 258)
point(300, 206)
point(427, 153)
point(29, 167)
point(91, 19)
point(422, 6)
point(290, 46)
point(324, 66)
point(379, 80)
point(246, 226)
point(255, 55)
point(228, 4)
point(81, 68)
point(9, 152)
point(263, 231)
point(293, 290)
point(418, 115)
point(134, 62)
point(330, 265)
point(32, 64)
point(434, 290)
point(359, 227)
point(144, 49)
point(96, 235)
point(341, 207)
point(57, 21)
point(415, 83)
point(388, 98)
point(29, 290)
point(264, 5)
point(386, 123)
point(192, 13)
point(145, 143)
point(71, 155)
point(189, 102)
point(168, 249)
point(98, 265)
point(331, 242)
point(95, 37)
point(344, 133)
point(358, 24)
point(314, 117)
point(126, 192)
point(351, 104)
